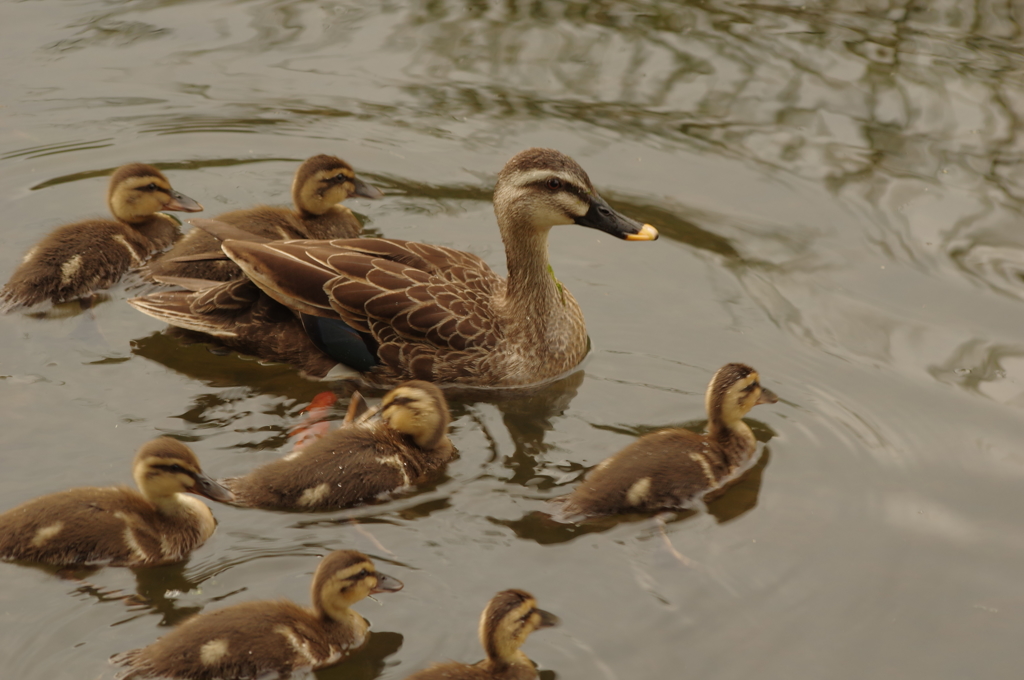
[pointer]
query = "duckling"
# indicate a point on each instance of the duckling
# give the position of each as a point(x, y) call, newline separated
point(389, 310)
point(509, 619)
point(251, 639)
point(79, 258)
point(673, 468)
point(116, 525)
point(359, 462)
point(321, 184)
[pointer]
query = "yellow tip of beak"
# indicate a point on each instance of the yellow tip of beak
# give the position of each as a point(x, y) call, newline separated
point(647, 233)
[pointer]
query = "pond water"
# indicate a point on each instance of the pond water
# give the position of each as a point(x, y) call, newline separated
point(839, 191)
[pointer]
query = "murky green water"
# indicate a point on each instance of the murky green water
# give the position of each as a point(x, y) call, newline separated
point(839, 191)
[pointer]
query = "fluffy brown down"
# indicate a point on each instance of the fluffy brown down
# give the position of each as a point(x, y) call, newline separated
point(253, 644)
point(92, 523)
point(349, 462)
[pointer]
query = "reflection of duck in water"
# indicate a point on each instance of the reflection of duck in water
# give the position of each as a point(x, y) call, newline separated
point(252, 639)
point(510, 617)
point(321, 183)
point(396, 310)
point(360, 461)
point(80, 258)
point(674, 468)
point(116, 525)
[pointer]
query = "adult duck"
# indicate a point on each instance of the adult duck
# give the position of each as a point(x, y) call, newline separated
point(388, 310)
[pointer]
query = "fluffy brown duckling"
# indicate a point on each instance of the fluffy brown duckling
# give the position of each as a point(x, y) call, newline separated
point(256, 639)
point(117, 525)
point(321, 184)
point(79, 258)
point(510, 617)
point(407, 446)
point(671, 469)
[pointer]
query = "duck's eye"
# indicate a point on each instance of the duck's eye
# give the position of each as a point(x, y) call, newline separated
point(152, 186)
point(554, 183)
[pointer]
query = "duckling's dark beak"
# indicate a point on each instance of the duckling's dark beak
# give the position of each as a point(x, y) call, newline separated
point(211, 489)
point(547, 619)
point(767, 397)
point(183, 203)
point(602, 216)
point(365, 190)
point(387, 584)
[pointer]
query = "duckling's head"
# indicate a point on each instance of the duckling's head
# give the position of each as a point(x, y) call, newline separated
point(735, 389)
point(343, 578)
point(165, 467)
point(138, 190)
point(418, 409)
point(324, 181)
point(540, 188)
point(508, 620)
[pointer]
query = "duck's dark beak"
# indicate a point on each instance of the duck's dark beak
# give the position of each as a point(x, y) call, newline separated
point(547, 619)
point(211, 489)
point(767, 397)
point(182, 203)
point(387, 584)
point(365, 190)
point(602, 216)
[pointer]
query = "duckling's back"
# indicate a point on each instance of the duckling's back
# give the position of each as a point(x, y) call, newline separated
point(79, 258)
point(246, 640)
point(351, 465)
point(663, 470)
point(90, 525)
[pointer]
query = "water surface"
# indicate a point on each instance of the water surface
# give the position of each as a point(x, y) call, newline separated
point(839, 191)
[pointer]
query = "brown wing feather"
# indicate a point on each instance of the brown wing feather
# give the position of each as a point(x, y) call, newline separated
point(395, 290)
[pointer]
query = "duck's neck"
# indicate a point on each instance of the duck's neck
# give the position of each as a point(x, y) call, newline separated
point(161, 230)
point(733, 438)
point(498, 664)
point(532, 289)
point(347, 618)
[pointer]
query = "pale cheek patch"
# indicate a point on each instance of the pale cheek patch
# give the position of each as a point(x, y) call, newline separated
point(638, 491)
point(69, 269)
point(46, 533)
point(313, 495)
point(213, 651)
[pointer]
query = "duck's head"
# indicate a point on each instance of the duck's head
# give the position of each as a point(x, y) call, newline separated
point(544, 187)
point(418, 409)
point(735, 389)
point(138, 190)
point(165, 467)
point(324, 181)
point(508, 620)
point(343, 578)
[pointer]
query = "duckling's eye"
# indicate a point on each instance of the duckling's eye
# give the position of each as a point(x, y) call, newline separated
point(151, 186)
point(554, 183)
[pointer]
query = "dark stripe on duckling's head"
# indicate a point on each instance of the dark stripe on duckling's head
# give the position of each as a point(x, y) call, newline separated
point(735, 389)
point(508, 620)
point(165, 466)
point(323, 181)
point(343, 578)
point(138, 190)
point(418, 409)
